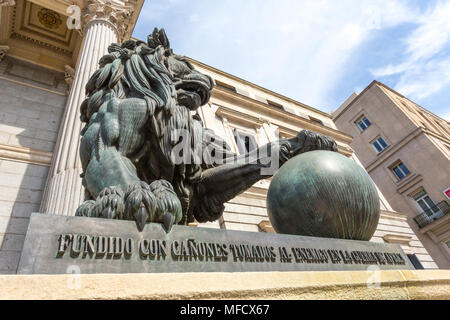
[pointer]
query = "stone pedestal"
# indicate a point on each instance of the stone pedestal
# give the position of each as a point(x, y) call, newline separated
point(57, 244)
point(312, 285)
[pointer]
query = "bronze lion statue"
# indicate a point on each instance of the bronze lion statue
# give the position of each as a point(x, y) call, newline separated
point(145, 153)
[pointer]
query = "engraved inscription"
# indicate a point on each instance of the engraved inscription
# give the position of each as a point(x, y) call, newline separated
point(83, 246)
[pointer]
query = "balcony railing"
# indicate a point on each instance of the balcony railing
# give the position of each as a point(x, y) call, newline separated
point(432, 214)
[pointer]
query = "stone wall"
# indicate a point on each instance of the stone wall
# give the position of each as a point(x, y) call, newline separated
point(21, 186)
point(31, 106)
point(244, 213)
point(393, 227)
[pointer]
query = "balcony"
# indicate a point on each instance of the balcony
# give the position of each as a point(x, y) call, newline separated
point(432, 214)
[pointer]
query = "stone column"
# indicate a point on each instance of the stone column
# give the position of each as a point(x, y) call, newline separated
point(103, 23)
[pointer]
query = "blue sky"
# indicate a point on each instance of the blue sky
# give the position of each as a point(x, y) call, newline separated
point(316, 51)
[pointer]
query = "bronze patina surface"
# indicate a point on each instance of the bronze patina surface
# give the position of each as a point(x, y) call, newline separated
point(141, 107)
point(324, 194)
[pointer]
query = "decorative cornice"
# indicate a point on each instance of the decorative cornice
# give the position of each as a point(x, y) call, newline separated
point(39, 42)
point(437, 136)
point(3, 51)
point(257, 122)
point(241, 117)
point(398, 239)
point(22, 154)
point(6, 3)
point(118, 16)
point(253, 85)
point(282, 115)
point(409, 183)
point(32, 86)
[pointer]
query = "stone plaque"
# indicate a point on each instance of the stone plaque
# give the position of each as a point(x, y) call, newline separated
point(59, 244)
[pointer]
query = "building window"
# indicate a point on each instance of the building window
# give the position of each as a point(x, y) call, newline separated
point(363, 123)
point(415, 261)
point(427, 205)
point(244, 141)
point(400, 170)
point(379, 144)
point(429, 210)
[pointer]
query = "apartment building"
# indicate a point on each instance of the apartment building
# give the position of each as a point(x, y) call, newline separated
point(406, 150)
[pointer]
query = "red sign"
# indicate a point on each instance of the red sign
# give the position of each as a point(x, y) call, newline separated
point(447, 193)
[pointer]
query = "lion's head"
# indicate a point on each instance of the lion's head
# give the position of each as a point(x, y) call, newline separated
point(139, 69)
point(193, 88)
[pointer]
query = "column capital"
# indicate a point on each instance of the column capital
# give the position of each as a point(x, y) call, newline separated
point(116, 15)
point(3, 51)
point(7, 3)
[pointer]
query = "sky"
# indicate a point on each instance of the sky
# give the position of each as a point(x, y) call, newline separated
point(317, 52)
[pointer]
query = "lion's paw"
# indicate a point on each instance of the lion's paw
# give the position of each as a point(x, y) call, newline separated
point(85, 209)
point(109, 204)
point(168, 206)
point(309, 141)
point(156, 202)
point(140, 204)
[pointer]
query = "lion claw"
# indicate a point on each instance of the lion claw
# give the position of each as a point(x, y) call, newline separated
point(109, 205)
point(167, 221)
point(141, 217)
point(85, 209)
point(108, 213)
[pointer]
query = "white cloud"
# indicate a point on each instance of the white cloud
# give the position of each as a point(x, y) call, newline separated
point(432, 34)
point(446, 114)
point(423, 80)
point(306, 56)
point(298, 48)
point(425, 69)
point(195, 17)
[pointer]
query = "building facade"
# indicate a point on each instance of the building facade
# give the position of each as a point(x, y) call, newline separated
point(406, 150)
point(45, 64)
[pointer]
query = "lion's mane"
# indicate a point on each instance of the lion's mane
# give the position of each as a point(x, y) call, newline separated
point(137, 69)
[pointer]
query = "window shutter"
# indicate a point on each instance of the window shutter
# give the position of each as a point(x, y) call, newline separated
point(415, 262)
